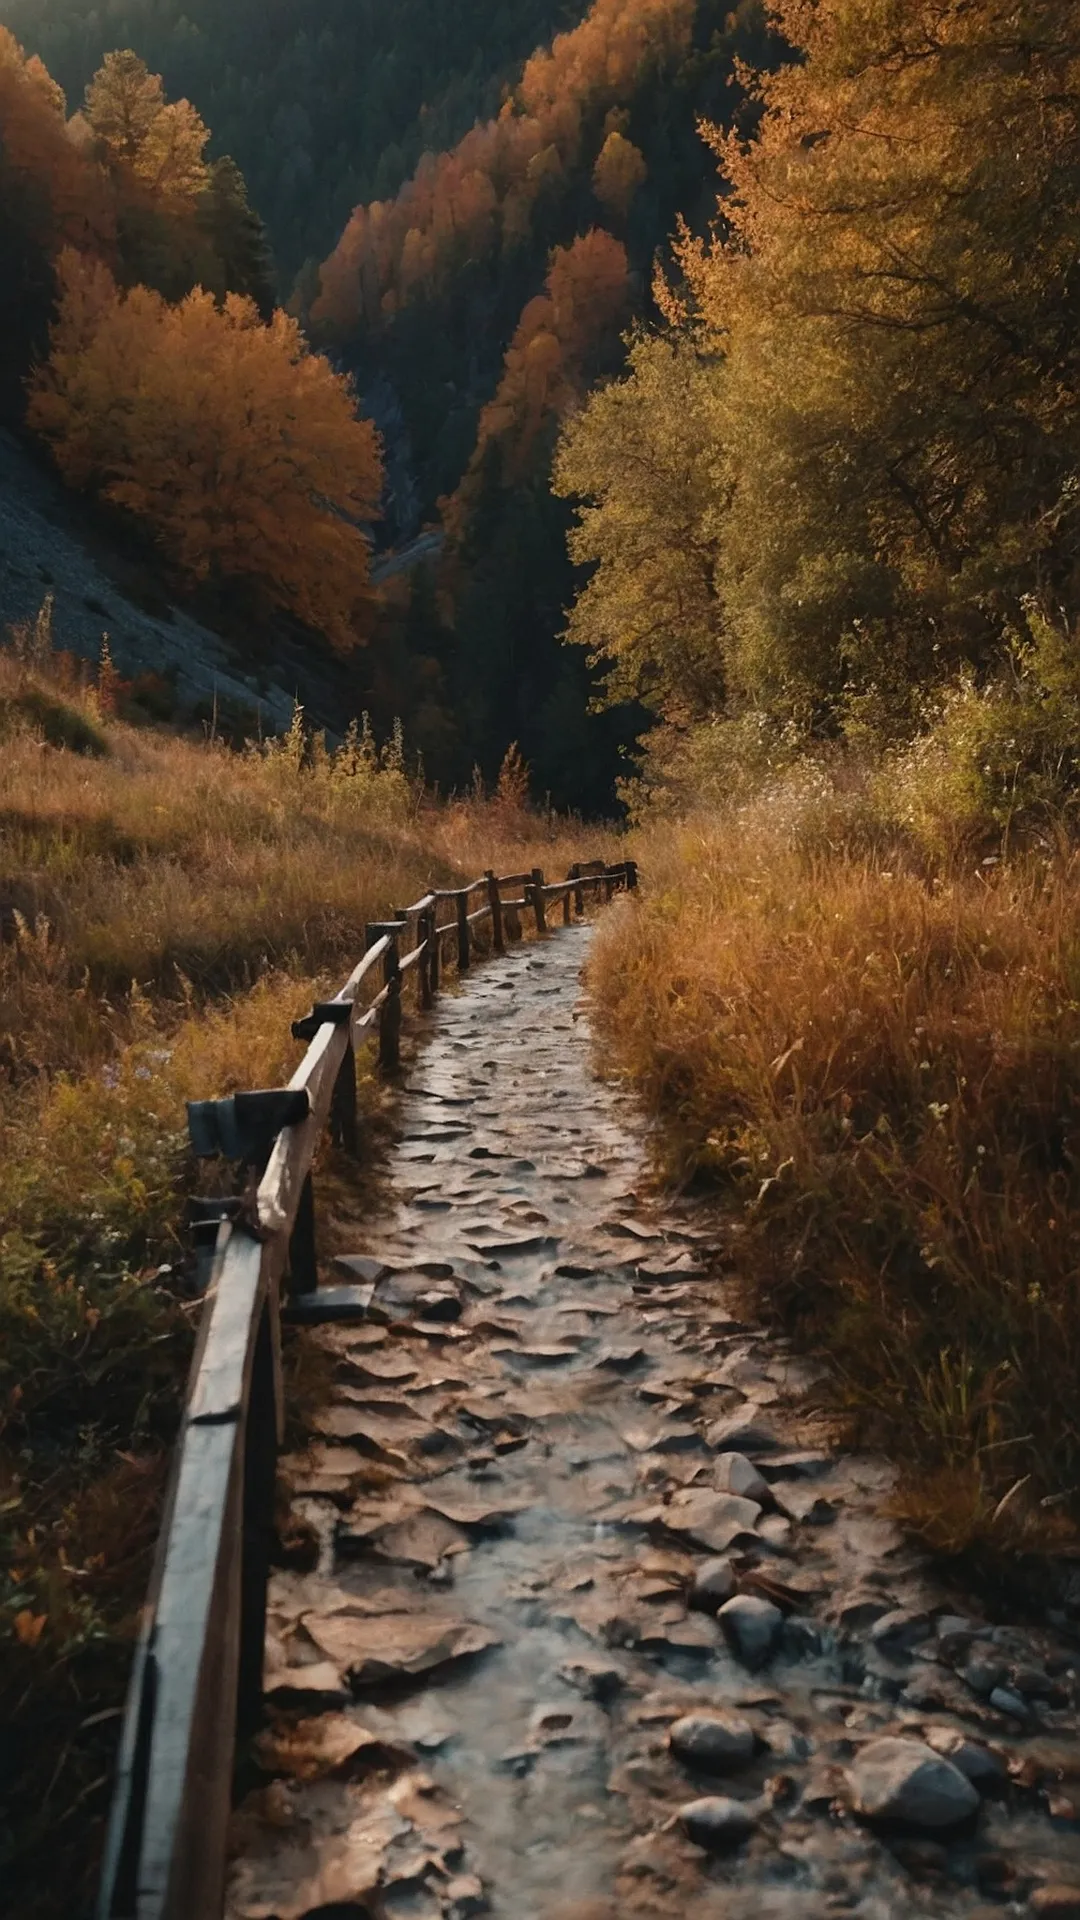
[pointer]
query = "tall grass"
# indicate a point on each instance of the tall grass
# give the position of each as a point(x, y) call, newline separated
point(166, 907)
point(880, 1065)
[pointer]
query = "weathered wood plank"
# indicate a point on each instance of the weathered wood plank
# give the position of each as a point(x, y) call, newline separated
point(495, 905)
point(181, 1806)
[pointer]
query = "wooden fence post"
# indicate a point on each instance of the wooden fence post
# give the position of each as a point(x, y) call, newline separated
point(567, 916)
point(343, 1128)
point(303, 1260)
point(495, 902)
point(538, 899)
point(435, 952)
point(579, 892)
point(424, 924)
point(631, 876)
point(463, 931)
point(390, 1012)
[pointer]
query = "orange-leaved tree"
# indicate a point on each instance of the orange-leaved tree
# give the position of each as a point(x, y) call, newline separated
point(468, 204)
point(240, 449)
point(546, 368)
point(42, 172)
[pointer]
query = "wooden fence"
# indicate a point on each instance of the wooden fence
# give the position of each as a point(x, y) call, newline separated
point(196, 1684)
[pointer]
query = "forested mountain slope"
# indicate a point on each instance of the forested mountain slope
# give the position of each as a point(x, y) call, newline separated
point(322, 103)
point(477, 309)
point(226, 464)
point(475, 305)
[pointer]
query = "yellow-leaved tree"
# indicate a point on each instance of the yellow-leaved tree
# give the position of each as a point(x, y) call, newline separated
point(619, 171)
point(159, 144)
point(879, 470)
point(238, 447)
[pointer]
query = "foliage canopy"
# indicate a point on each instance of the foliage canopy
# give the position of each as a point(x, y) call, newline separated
point(239, 448)
point(884, 327)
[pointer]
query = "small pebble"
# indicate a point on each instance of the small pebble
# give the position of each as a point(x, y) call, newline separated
point(785, 1742)
point(981, 1765)
point(466, 1896)
point(982, 1676)
point(736, 1474)
point(900, 1630)
point(1034, 1681)
point(894, 1779)
point(1005, 1701)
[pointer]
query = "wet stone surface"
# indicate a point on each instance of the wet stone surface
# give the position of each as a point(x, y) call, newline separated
point(553, 1454)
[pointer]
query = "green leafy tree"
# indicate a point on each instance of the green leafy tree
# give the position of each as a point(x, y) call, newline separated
point(641, 461)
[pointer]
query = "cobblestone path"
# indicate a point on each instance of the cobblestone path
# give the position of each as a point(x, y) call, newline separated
point(603, 1623)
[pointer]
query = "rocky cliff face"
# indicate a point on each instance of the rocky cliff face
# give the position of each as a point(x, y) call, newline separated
point(47, 547)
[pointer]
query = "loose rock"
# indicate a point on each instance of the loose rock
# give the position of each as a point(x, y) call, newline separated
point(736, 1474)
point(751, 1626)
point(716, 1742)
point(904, 1780)
point(717, 1824)
point(714, 1582)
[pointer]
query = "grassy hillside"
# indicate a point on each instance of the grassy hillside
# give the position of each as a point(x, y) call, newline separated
point(871, 1056)
point(166, 908)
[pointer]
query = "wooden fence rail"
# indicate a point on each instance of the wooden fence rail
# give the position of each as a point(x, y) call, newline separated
point(196, 1683)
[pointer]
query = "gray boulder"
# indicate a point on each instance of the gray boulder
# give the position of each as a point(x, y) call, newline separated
point(896, 1779)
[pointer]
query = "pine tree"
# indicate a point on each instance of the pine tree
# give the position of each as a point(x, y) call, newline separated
point(242, 260)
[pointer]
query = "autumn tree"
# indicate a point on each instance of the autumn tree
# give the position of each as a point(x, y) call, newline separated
point(619, 171)
point(887, 319)
point(49, 197)
point(160, 146)
point(547, 364)
point(641, 462)
point(898, 305)
point(238, 448)
point(482, 196)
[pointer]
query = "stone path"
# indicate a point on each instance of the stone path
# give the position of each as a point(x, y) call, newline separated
point(602, 1624)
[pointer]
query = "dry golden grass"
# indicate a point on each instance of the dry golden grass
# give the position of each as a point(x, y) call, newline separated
point(883, 1067)
point(166, 908)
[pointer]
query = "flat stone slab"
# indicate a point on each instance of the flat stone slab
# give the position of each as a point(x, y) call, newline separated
point(372, 1653)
